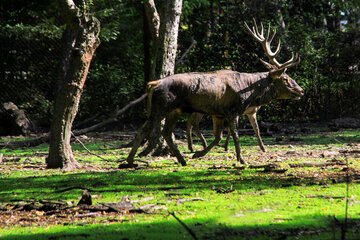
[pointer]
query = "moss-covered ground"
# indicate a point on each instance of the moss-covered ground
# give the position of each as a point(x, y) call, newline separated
point(212, 196)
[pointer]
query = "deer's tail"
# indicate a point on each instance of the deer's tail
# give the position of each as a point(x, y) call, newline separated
point(150, 88)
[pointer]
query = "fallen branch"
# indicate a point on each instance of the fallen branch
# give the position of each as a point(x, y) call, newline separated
point(323, 196)
point(267, 166)
point(184, 225)
point(181, 200)
point(51, 207)
point(317, 164)
point(118, 190)
point(354, 151)
point(111, 119)
point(46, 138)
point(176, 194)
point(28, 143)
point(83, 145)
point(181, 59)
point(85, 215)
point(88, 120)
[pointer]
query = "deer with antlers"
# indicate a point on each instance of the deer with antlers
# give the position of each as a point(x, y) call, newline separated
point(224, 95)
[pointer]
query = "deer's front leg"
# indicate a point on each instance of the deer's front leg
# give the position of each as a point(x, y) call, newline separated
point(254, 124)
point(234, 132)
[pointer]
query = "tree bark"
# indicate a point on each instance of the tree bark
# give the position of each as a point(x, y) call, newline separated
point(147, 49)
point(164, 33)
point(82, 39)
point(166, 44)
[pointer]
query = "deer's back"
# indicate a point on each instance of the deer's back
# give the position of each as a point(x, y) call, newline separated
point(212, 93)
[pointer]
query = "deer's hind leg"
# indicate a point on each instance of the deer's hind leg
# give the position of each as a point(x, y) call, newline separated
point(142, 133)
point(226, 145)
point(198, 132)
point(193, 123)
point(169, 126)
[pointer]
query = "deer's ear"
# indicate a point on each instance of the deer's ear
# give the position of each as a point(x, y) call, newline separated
point(268, 65)
point(275, 74)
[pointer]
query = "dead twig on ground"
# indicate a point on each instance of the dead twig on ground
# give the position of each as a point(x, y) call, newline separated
point(184, 225)
point(83, 145)
point(317, 164)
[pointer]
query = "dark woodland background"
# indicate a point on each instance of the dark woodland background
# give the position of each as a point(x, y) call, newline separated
point(325, 33)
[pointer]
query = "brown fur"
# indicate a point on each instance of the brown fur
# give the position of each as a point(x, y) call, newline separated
point(222, 94)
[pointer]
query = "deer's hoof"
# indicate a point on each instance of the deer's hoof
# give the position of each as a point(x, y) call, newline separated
point(128, 165)
point(182, 161)
point(198, 154)
point(263, 149)
point(241, 160)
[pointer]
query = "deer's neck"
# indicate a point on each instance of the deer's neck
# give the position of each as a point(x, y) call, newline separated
point(262, 90)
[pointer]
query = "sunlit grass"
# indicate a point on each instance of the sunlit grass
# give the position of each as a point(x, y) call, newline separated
point(300, 203)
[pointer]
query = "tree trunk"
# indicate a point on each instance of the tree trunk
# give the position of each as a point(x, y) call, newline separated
point(82, 39)
point(147, 49)
point(164, 37)
point(166, 44)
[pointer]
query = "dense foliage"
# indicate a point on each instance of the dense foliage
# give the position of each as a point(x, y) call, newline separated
point(325, 34)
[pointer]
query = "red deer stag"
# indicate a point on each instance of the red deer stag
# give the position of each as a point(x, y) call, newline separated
point(224, 95)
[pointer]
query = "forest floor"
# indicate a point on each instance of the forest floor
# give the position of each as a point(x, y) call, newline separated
point(305, 187)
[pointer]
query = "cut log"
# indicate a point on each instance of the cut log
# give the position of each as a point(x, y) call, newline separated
point(13, 120)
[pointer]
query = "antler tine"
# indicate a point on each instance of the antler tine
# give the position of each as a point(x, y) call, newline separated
point(262, 29)
point(256, 30)
point(294, 60)
point(253, 32)
point(266, 44)
point(272, 37)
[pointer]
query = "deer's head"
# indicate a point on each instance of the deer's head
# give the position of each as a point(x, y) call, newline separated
point(286, 87)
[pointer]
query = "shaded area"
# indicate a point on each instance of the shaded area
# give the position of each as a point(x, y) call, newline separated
point(203, 228)
point(281, 195)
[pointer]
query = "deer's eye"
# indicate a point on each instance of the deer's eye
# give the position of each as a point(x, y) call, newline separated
point(286, 80)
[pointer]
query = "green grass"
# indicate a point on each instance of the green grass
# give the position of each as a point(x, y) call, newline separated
point(298, 204)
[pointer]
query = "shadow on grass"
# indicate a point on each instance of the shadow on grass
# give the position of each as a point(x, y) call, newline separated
point(208, 229)
point(131, 182)
point(321, 138)
point(128, 182)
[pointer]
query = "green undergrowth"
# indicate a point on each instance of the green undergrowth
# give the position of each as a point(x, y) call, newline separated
point(213, 196)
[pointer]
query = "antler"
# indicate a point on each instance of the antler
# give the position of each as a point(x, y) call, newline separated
point(266, 44)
